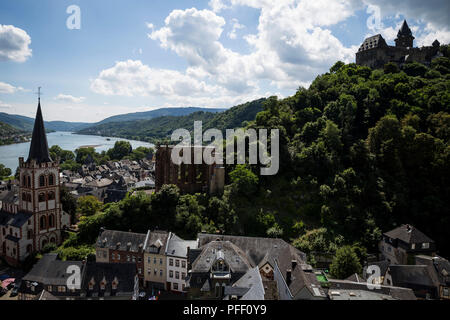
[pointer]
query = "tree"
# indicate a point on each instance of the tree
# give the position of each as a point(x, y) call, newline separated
point(345, 263)
point(120, 150)
point(69, 203)
point(88, 206)
point(4, 172)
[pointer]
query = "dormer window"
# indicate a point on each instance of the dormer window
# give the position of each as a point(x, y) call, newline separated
point(425, 245)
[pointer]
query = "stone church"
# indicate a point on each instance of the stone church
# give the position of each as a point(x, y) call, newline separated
point(34, 216)
point(375, 52)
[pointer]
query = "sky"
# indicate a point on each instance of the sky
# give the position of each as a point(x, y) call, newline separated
point(95, 59)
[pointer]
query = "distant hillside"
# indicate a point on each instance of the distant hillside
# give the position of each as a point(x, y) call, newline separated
point(162, 127)
point(147, 115)
point(26, 123)
point(9, 134)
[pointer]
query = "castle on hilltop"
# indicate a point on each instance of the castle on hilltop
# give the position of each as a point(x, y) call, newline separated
point(375, 52)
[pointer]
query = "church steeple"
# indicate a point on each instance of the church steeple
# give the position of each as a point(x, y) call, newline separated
point(39, 146)
point(404, 37)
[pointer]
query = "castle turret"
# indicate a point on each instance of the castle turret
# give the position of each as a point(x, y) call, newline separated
point(405, 38)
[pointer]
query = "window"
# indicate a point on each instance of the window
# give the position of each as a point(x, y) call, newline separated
point(171, 274)
point(149, 270)
point(104, 254)
point(171, 262)
point(61, 289)
point(177, 263)
point(134, 259)
point(139, 259)
point(43, 222)
point(160, 273)
point(49, 288)
point(128, 258)
point(154, 260)
point(51, 221)
point(114, 285)
point(24, 196)
point(29, 234)
point(41, 181)
point(160, 261)
point(175, 286)
point(183, 276)
point(425, 245)
point(140, 271)
point(149, 260)
point(118, 256)
point(183, 264)
point(113, 256)
point(41, 197)
point(177, 274)
point(51, 180)
point(102, 285)
point(51, 195)
point(155, 272)
point(413, 246)
point(445, 292)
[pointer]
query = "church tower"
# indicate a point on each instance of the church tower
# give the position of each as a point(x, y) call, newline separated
point(405, 38)
point(39, 190)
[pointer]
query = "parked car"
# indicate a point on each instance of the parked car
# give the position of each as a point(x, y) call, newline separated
point(15, 289)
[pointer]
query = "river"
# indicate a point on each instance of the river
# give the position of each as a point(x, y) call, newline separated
point(9, 155)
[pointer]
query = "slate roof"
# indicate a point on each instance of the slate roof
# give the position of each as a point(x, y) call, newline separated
point(39, 146)
point(157, 239)
point(376, 41)
point(8, 196)
point(256, 248)
point(421, 275)
point(14, 219)
point(440, 265)
point(397, 293)
point(111, 238)
point(404, 30)
point(177, 247)
point(50, 271)
point(124, 272)
point(251, 282)
point(233, 256)
point(408, 234)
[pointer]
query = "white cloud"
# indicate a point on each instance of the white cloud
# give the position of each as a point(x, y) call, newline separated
point(235, 27)
point(69, 98)
point(14, 44)
point(8, 88)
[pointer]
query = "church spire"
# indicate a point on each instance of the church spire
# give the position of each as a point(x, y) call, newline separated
point(39, 146)
point(404, 30)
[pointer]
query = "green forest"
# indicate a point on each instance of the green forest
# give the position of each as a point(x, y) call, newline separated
point(361, 152)
point(9, 134)
point(159, 129)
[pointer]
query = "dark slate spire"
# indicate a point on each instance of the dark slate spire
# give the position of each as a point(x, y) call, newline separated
point(39, 146)
point(404, 30)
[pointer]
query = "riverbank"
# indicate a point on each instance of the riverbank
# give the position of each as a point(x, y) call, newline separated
point(9, 154)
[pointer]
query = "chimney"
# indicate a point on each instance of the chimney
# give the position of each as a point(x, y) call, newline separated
point(294, 264)
point(187, 253)
point(408, 228)
point(288, 276)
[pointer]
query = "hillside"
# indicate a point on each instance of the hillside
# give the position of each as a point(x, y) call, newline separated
point(147, 115)
point(162, 127)
point(9, 134)
point(361, 151)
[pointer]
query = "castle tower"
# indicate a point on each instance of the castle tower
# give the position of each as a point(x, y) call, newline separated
point(405, 38)
point(39, 190)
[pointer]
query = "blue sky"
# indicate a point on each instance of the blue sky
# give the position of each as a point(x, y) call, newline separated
point(139, 55)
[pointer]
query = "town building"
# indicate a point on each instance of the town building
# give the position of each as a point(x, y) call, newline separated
point(34, 216)
point(189, 178)
point(176, 255)
point(155, 260)
point(121, 247)
point(399, 246)
point(221, 261)
point(375, 52)
point(53, 279)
